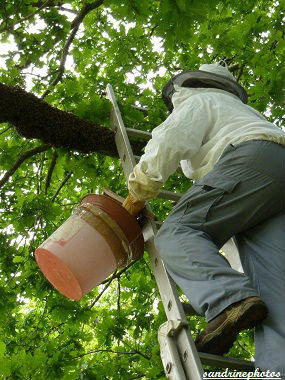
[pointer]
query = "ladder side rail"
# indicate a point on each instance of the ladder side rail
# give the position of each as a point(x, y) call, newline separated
point(173, 308)
point(168, 291)
point(121, 137)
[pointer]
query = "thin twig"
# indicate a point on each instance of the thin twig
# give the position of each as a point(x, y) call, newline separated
point(109, 351)
point(241, 346)
point(20, 160)
point(136, 351)
point(55, 328)
point(61, 186)
point(9, 27)
point(109, 280)
point(5, 130)
point(150, 271)
point(102, 292)
point(37, 75)
point(50, 170)
point(67, 10)
point(143, 355)
point(118, 275)
point(62, 61)
point(152, 30)
point(119, 296)
point(240, 73)
point(39, 173)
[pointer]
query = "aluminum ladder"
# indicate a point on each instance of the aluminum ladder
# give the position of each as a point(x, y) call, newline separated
point(180, 359)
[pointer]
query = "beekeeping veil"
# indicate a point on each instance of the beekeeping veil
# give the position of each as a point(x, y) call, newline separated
point(214, 75)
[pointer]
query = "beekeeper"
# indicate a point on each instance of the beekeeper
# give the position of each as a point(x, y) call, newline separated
point(236, 158)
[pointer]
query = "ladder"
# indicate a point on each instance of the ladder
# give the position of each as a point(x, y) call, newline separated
point(180, 359)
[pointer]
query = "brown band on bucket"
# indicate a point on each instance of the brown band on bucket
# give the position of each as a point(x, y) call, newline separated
point(97, 211)
point(120, 215)
point(107, 227)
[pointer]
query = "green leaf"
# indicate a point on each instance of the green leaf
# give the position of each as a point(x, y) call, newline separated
point(18, 259)
point(2, 349)
point(181, 5)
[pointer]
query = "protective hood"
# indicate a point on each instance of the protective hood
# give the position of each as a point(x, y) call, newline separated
point(209, 75)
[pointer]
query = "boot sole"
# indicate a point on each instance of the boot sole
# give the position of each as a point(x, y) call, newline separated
point(220, 343)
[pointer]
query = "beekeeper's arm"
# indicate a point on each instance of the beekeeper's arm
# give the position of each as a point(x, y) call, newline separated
point(178, 138)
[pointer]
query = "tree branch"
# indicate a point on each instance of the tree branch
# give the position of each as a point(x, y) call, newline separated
point(119, 295)
point(62, 61)
point(240, 73)
point(137, 351)
point(60, 7)
point(9, 27)
point(39, 173)
point(55, 328)
point(33, 118)
point(242, 347)
point(50, 170)
point(110, 351)
point(109, 280)
point(102, 292)
point(61, 186)
point(118, 275)
point(88, 7)
point(74, 29)
point(6, 129)
point(24, 156)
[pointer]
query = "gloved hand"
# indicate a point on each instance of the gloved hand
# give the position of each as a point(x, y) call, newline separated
point(133, 205)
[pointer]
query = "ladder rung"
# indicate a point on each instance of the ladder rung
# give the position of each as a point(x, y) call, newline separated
point(226, 362)
point(170, 195)
point(138, 133)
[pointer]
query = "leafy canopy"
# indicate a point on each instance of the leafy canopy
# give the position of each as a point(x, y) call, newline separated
point(66, 52)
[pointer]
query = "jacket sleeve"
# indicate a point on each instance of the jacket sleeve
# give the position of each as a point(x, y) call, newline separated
point(179, 137)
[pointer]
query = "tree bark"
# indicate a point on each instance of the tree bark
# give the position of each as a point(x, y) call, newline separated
point(34, 118)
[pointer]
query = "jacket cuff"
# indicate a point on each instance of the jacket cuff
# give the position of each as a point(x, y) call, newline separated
point(141, 186)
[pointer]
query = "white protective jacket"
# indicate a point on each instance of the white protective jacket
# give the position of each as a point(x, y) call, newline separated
point(203, 123)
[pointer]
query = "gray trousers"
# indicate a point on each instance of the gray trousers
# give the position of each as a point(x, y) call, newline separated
point(242, 197)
